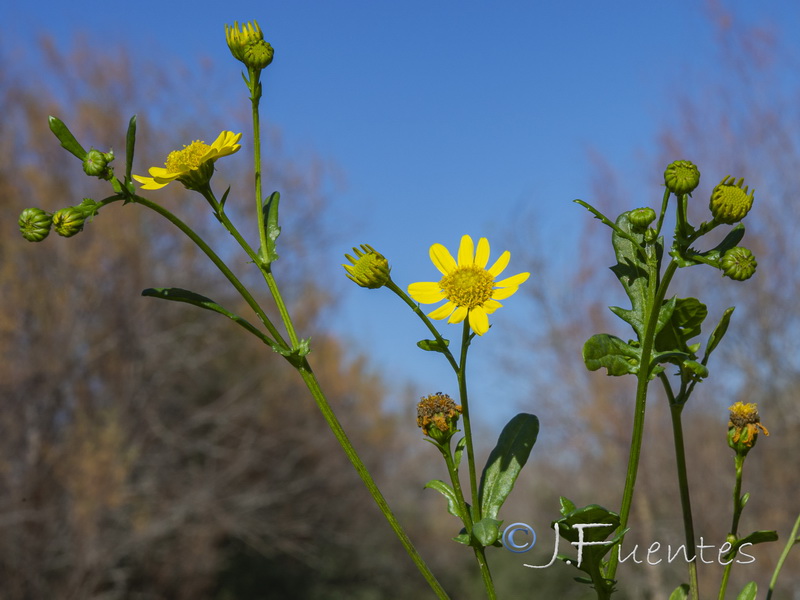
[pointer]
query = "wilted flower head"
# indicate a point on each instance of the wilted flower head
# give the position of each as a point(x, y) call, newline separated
point(744, 426)
point(437, 415)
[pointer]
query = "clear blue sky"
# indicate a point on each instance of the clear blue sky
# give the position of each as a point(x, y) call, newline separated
point(445, 117)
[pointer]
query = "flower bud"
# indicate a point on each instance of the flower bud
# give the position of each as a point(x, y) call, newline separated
point(370, 269)
point(34, 224)
point(738, 263)
point(743, 427)
point(95, 164)
point(640, 218)
point(681, 177)
point(69, 221)
point(729, 202)
point(437, 415)
point(258, 55)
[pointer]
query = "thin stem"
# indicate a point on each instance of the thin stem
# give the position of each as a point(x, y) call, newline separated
point(330, 418)
point(480, 555)
point(656, 291)
point(218, 262)
point(462, 392)
point(737, 513)
point(793, 539)
point(675, 411)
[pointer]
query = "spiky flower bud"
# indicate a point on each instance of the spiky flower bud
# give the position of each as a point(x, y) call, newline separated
point(34, 224)
point(641, 217)
point(370, 269)
point(730, 203)
point(738, 263)
point(69, 221)
point(743, 427)
point(681, 177)
point(437, 415)
point(95, 164)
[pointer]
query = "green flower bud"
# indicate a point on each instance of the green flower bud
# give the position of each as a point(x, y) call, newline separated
point(641, 217)
point(681, 177)
point(370, 269)
point(95, 164)
point(258, 55)
point(729, 202)
point(34, 224)
point(69, 221)
point(437, 415)
point(743, 427)
point(738, 263)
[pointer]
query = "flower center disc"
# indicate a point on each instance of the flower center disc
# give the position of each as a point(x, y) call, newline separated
point(187, 159)
point(468, 286)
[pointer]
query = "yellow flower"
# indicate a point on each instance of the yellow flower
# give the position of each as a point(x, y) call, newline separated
point(468, 286)
point(193, 165)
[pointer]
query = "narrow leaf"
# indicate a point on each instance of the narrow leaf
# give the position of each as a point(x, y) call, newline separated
point(506, 461)
point(64, 135)
point(680, 593)
point(130, 146)
point(269, 254)
point(446, 491)
point(459, 451)
point(719, 331)
point(749, 592)
point(433, 345)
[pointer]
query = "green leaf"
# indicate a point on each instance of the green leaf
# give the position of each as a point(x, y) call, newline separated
point(446, 491)
point(567, 506)
point(610, 352)
point(433, 345)
point(680, 593)
point(189, 297)
point(684, 323)
point(749, 592)
point(130, 145)
point(718, 333)
point(269, 254)
point(632, 271)
point(459, 451)
point(506, 461)
point(487, 531)
point(64, 135)
point(757, 537)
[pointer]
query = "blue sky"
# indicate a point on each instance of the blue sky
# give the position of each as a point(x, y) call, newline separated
point(444, 117)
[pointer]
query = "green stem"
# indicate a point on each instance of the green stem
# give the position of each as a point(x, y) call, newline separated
point(480, 555)
point(327, 412)
point(737, 513)
point(456, 481)
point(462, 392)
point(656, 291)
point(793, 539)
point(675, 410)
point(218, 262)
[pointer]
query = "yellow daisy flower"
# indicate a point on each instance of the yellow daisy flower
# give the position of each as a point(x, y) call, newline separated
point(193, 165)
point(468, 286)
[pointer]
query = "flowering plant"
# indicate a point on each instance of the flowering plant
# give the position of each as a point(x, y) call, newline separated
point(472, 288)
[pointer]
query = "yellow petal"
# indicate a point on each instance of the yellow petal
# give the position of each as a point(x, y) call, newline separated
point(458, 315)
point(478, 320)
point(504, 293)
point(490, 306)
point(466, 252)
point(443, 311)
point(513, 281)
point(148, 183)
point(500, 264)
point(482, 254)
point(442, 259)
point(426, 292)
point(160, 172)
